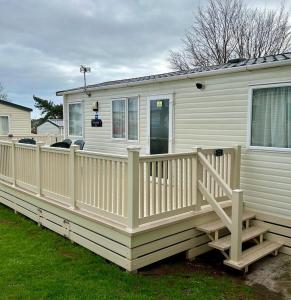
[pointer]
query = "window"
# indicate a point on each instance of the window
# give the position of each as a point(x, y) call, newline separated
point(271, 117)
point(4, 125)
point(118, 119)
point(75, 119)
point(132, 118)
point(125, 118)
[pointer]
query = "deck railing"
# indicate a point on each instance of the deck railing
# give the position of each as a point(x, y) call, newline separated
point(131, 190)
point(166, 185)
point(229, 188)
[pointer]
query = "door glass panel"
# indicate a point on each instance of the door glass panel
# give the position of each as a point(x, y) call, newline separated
point(159, 126)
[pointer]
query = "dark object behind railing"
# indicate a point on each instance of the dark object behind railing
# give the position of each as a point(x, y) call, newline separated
point(67, 141)
point(80, 143)
point(27, 141)
point(60, 145)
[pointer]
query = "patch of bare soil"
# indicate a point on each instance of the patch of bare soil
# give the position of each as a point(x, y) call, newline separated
point(210, 263)
point(7, 222)
point(67, 254)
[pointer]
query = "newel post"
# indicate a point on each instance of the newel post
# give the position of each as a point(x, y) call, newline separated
point(72, 175)
point(237, 164)
point(236, 226)
point(198, 175)
point(13, 161)
point(133, 186)
point(38, 167)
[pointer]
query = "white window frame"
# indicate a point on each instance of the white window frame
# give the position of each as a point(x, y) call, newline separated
point(68, 119)
point(8, 122)
point(249, 127)
point(171, 118)
point(126, 119)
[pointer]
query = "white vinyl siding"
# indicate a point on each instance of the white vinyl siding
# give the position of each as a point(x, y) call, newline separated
point(215, 116)
point(19, 120)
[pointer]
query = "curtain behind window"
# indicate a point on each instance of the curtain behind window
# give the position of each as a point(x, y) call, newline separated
point(75, 119)
point(133, 118)
point(118, 119)
point(4, 125)
point(271, 117)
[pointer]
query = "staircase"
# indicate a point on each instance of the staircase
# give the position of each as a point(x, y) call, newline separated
point(222, 242)
point(232, 230)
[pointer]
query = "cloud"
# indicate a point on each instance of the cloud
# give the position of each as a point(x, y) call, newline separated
point(44, 42)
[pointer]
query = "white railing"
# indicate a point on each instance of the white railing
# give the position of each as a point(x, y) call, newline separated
point(48, 139)
point(229, 187)
point(101, 183)
point(88, 181)
point(131, 190)
point(166, 185)
point(6, 161)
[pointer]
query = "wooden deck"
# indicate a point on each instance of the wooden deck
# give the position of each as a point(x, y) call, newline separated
point(132, 210)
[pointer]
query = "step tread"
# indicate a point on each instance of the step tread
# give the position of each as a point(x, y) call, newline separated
point(247, 234)
point(217, 225)
point(253, 254)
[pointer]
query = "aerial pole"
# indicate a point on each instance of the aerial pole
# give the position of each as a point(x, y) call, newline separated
point(85, 70)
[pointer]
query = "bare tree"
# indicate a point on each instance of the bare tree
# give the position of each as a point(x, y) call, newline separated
point(225, 29)
point(3, 95)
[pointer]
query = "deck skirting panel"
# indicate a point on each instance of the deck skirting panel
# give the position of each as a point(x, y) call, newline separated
point(279, 229)
point(129, 251)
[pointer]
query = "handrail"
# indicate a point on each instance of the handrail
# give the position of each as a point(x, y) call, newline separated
point(215, 205)
point(223, 185)
point(100, 155)
point(166, 156)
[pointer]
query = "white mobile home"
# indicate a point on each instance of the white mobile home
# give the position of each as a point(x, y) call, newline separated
point(14, 119)
point(162, 172)
point(51, 126)
point(246, 103)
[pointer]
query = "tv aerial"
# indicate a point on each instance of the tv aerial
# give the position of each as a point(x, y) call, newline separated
point(85, 70)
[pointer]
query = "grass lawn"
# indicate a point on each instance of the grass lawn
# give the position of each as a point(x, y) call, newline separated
point(36, 263)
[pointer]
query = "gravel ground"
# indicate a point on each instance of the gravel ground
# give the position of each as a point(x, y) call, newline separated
point(273, 273)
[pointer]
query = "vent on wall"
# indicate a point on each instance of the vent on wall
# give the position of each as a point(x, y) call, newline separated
point(236, 60)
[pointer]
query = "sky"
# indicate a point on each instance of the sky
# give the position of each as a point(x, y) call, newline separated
point(44, 42)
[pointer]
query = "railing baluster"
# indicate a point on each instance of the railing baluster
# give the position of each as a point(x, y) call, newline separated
point(159, 188)
point(38, 167)
point(198, 176)
point(170, 198)
point(153, 187)
point(148, 190)
point(141, 190)
point(165, 186)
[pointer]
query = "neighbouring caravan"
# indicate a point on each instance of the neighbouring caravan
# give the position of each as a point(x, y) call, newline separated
point(51, 126)
point(15, 119)
point(243, 102)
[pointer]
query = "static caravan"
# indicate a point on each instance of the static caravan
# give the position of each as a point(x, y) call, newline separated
point(14, 119)
point(51, 126)
point(186, 161)
point(243, 102)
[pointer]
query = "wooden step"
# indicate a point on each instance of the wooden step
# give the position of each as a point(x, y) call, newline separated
point(247, 234)
point(253, 254)
point(217, 225)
